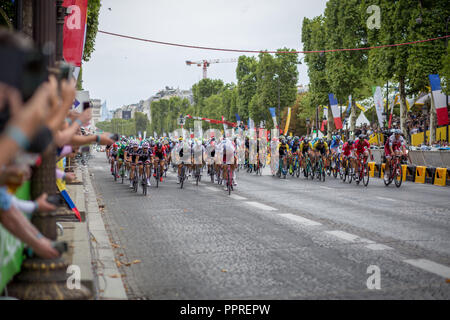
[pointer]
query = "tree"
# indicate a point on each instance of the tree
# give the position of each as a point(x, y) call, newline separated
point(246, 88)
point(93, 11)
point(314, 38)
point(141, 122)
point(345, 69)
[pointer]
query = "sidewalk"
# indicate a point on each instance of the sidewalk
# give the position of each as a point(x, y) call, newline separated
point(89, 245)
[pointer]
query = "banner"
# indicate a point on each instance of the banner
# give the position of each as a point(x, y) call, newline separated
point(440, 102)
point(324, 123)
point(287, 121)
point(335, 111)
point(74, 31)
point(238, 119)
point(378, 98)
point(274, 117)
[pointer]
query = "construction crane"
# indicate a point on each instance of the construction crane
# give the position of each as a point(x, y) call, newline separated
point(205, 63)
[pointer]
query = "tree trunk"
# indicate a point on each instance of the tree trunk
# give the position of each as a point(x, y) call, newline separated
point(403, 106)
point(432, 121)
point(330, 123)
point(353, 122)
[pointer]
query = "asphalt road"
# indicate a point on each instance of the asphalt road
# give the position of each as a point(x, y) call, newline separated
point(278, 239)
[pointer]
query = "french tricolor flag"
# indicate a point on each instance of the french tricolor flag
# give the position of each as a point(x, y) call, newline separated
point(335, 111)
point(440, 101)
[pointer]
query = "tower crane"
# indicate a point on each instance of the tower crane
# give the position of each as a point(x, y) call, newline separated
point(205, 63)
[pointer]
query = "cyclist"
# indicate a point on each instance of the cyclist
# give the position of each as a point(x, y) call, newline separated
point(295, 149)
point(159, 153)
point(112, 157)
point(283, 150)
point(395, 145)
point(362, 147)
point(120, 156)
point(145, 156)
point(229, 158)
point(335, 145)
point(320, 148)
point(132, 158)
point(348, 153)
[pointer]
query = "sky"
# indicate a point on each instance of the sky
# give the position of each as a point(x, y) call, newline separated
point(123, 71)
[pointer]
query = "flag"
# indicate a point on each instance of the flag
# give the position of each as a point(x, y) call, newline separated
point(238, 119)
point(335, 111)
point(360, 107)
point(288, 120)
point(324, 123)
point(225, 127)
point(74, 31)
point(377, 97)
point(62, 189)
point(347, 112)
point(274, 117)
point(439, 98)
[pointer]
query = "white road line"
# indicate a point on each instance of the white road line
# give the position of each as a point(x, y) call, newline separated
point(236, 197)
point(212, 189)
point(260, 206)
point(378, 246)
point(388, 199)
point(348, 236)
point(430, 266)
point(325, 188)
point(301, 220)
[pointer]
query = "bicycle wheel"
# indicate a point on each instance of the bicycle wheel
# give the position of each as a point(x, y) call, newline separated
point(229, 180)
point(389, 181)
point(144, 184)
point(182, 177)
point(157, 175)
point(115, 171)
point(350, 175)
point(197, 175)
point(365, 174)
point(398, 177)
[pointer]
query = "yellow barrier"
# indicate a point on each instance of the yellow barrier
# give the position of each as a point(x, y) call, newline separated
point(404, 169)
point(418, 138)
point(420, 174)
point(371, 169)
point(441, 134)
point(440, 177)
point(382, 170)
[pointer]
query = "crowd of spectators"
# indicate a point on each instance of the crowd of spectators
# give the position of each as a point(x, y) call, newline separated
point(28, 130)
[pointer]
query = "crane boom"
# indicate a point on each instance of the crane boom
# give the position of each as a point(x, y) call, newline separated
point(205, 63)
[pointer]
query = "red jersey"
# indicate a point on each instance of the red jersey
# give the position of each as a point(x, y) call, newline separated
point(347, 149)
point(361, 146)
point(159, 153)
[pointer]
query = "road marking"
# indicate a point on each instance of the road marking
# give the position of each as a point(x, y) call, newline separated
point(325, 188)
point(349, 237)
point(260, 206)
point(378, 246)
point(212, 189)
point(236, 197)
point(388, 199)
point(430, 266)
point(301, 220)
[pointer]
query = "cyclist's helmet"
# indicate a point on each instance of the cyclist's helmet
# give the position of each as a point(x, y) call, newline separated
point(296, 139)
point(115, 145)
point(362, 136)
point(350, 142)
point(159, 145)
point(283, 140)
point(338, 137)
point(145, 145)
point(320, 141)
point(398, 131)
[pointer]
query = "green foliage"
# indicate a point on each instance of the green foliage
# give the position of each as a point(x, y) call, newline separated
point(7, 14)
point(141, 122)
point(93, 11)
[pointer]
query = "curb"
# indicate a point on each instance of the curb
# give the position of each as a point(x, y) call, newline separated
point(109, 283)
